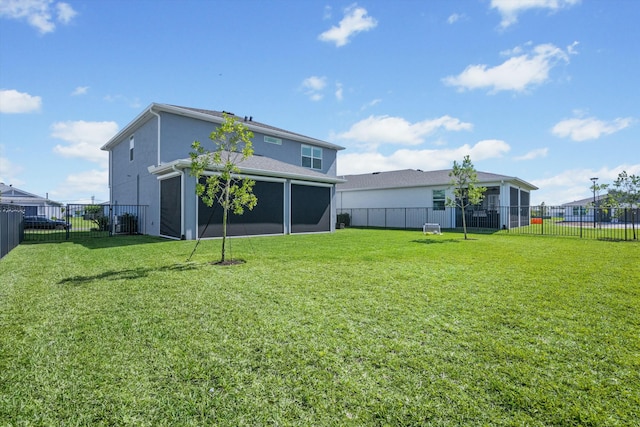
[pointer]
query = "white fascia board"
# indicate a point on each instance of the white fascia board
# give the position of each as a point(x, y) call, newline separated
point(184, 164)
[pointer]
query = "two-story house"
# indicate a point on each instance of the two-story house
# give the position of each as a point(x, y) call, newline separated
point(149, 165)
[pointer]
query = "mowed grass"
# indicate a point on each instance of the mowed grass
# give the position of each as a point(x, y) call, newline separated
point(359, 327)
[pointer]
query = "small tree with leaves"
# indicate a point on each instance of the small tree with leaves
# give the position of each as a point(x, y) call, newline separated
point(466, 191)
point(626, 194)
point(232, 141)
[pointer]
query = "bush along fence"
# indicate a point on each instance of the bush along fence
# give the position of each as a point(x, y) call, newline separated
point(578, 221)
point(72, 221)
point(11, 232)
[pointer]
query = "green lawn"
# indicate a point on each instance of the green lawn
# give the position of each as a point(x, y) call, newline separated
point(359, 327)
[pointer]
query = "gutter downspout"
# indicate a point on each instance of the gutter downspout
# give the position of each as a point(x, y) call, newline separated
point(159, 126)
point(158, 156)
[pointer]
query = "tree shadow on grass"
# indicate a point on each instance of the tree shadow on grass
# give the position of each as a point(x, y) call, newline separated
point(428, 241)
point(127, 274)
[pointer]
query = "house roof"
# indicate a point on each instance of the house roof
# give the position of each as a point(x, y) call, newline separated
point(260, 166)
point(584, 202)
point(417, 178)
point(214, 117)
point(11, 194)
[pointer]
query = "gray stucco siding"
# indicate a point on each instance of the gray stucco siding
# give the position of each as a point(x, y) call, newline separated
point(131, 183)
point(179, 132)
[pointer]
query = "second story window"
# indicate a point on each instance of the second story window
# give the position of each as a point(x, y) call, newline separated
point(438, 200)
point(311, 157)
point(131, 144)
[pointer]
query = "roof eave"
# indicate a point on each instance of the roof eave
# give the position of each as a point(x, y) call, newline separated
point(146, 115)
point(185, 164)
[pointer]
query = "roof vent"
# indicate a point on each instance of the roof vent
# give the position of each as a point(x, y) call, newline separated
point(375, 173)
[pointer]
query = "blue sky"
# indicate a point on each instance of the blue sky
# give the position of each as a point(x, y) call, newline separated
point(545, 90)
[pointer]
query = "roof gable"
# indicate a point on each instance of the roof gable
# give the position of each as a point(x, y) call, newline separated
point(214, 117)
point(11, 191)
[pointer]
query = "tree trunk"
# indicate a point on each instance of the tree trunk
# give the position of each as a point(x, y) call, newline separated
point(464, 223)
point(225, 215)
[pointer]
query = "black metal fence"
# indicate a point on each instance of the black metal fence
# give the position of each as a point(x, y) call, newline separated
point(578, 221)
point(75, 221)
point(11, 232)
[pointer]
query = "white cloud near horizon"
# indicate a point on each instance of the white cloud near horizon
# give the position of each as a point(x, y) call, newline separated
point(9, 172)
point(520, 72)
point(83, 185)
point(575, 184)
point(376, 130)
point(38, 13)
point(84, 139)
point(510, 9)
point(355, 20)
point(583, 129)
point(427, 159)
point(14, 102)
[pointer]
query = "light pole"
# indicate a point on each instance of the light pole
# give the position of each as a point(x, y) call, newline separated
point(594, 200)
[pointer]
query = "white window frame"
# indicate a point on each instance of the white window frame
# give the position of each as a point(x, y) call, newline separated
point(316, 154)
point(443, 200)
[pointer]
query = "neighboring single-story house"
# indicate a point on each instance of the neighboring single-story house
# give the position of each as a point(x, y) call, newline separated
point(149, 165)
point(416, 197)
point(583, 210)
point(32, 204)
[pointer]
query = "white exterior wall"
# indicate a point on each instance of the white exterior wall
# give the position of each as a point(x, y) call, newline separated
point(394, 207)
point(386, 198)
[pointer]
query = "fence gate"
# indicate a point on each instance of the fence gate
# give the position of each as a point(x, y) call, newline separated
point(68, 222)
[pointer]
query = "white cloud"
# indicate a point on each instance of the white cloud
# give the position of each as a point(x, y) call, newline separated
point(534, 154)
point(376, 130)
point(313, 87)
point(84, 139)
point(575, 184)
point(339, 92)
point(456, 17)
point(38, 13)
point(355, 163)
point(510, 9)
point(12, 101)
point(80, 90)
point(355, 21)
point(370, 104)
point(83, 185)
point(518, 73)
point(582, 129)
point(65, 12)
point(9, 171)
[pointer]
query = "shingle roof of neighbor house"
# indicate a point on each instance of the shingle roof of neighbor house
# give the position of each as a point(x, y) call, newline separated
point(416, 178)
point(215, 117)
point(584, 202)
point(259, 165)
point(11, 194)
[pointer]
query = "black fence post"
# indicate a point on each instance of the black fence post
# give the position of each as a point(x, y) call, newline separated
point(68, 221)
